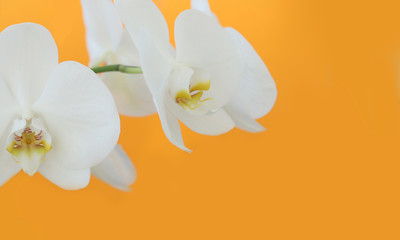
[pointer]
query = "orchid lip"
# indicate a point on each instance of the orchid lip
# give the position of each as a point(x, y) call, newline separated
point(192, 99)
point(28, 145)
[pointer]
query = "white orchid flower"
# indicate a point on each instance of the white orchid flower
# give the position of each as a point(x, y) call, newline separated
point(117, 170)
point(58, 119)
point(109, 43)
point(194, 84)
point(257, 93)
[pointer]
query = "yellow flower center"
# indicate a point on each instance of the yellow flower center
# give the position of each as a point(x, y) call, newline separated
point(29, 145)
point(192, 99)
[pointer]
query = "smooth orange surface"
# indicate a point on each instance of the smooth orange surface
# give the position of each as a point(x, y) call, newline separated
point(326, 168)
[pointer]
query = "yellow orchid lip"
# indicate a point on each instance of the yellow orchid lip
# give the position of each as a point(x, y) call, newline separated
point(29, 148)
point(29, 142)
point(192, 99)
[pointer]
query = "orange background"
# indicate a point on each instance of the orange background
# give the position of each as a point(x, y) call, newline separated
point(326, 168)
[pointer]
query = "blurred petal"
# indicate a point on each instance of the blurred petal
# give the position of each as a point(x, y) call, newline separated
point(257, 90)
point(80, 115)
point(28, 54)
point(238, 113)
point(201, 42)
point(201, 5)
point(130, 93)
point(137, 14)
point(156, 68)
point(103, 28)
point(126, 51)
point(116, 170)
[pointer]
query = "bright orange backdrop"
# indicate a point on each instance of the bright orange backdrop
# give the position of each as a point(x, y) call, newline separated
point(326, 168)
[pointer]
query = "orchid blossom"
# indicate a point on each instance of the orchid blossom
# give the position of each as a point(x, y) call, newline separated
point(257, 93)
point(196, 82)
point(58, 119)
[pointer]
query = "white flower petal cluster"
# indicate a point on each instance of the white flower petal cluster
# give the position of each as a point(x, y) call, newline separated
point(212, 82)
point(257, 92)
point(60, 120)
point(55, 118)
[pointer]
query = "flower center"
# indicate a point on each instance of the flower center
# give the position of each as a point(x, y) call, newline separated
point(188, 87)
point(28, 145)
point(192, 99)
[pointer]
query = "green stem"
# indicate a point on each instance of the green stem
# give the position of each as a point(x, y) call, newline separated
point(118, 68)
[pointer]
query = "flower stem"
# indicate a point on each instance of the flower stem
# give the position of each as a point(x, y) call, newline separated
point(118, 68)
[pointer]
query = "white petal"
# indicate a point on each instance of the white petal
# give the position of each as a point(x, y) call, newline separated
point(8, 167)
point(179, 80)
point(201, 5)
point(156, 68)
point(130, 93)
point(237, 111)
point(156, 71)
point(209, 124)
point(257, 90)
point(65, 178)
point(213, 124)
point(8, 112)
point(137, 14)
point(126, 51)
point(28, 54)
point(9, 109)
point(116, 170)
point(201, 42)
point(170, 124)
point(80, 115)
point(103, 28)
